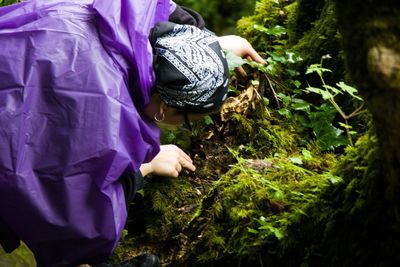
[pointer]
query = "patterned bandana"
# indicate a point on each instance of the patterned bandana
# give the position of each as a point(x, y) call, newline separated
point(191, 70)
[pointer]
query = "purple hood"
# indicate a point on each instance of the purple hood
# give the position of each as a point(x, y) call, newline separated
point(68, 125)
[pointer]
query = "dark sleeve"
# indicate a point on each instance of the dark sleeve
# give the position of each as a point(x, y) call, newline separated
point(184, 15)
point(131, 184)
point(8, 239)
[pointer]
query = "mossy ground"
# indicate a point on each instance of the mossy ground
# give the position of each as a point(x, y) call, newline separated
point(256, 175)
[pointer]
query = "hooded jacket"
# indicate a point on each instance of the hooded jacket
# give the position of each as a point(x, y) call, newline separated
point(74, 77)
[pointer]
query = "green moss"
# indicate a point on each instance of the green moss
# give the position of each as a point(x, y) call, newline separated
point(21, 257)
point(247, 209)
point(8, 2)
point(158, 218)
point(320, 38)
point(343, 220)
point(268, 13)
point(302, 17)
point(259, 137)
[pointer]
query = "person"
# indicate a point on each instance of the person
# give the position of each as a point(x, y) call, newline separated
point(82, 85)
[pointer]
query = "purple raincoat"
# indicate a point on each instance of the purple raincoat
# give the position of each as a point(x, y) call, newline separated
point(68, 125)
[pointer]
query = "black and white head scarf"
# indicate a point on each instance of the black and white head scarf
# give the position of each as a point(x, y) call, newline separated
point(191, 69)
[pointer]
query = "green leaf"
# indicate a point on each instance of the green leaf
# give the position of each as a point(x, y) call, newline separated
point(293, 57)
point(317, 68)
point(256, 65)
point(296, 160)
point(285, 112)
point(276, 57)
point(208, 120)
point(328, 136)
point(334, 179)
point(325, 94)
point(271, 229)
point(140, 192)
point(233, 60)
point(334, 90)
point(296, 83)
point(306, 154)
point(262, 220)
point(285, 98)
point(275, 31)
point(300, 104)
point(349, 89)
point(251, 230)
point(266, 101)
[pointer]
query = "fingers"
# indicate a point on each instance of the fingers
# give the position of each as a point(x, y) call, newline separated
point(171, 160)
point(185, 161)
point(178, 167)
point(255, 56)
point(189, 166)
point(251, 53)
point(240, 70)
point(240, 47)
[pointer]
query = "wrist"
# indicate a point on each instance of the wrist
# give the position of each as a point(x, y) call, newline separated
point(146, 169)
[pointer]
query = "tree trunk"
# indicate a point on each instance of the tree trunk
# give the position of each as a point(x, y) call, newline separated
point(371, 39)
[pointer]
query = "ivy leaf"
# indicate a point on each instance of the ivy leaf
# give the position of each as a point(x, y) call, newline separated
point(277, 58)
point(234, 61)
point(293, 57)
point(275, 31)
point(300, 104)
point(328, 136)
point(285, 112)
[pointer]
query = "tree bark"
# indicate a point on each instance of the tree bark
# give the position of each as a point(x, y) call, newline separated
point(370, 32)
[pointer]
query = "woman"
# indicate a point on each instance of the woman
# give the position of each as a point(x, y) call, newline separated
point(79, 97)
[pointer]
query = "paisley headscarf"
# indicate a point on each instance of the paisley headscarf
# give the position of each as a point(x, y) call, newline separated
point(190, 67)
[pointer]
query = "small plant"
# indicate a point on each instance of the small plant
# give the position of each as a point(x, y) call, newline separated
point(328, 93)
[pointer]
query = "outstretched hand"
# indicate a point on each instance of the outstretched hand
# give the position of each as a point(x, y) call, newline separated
point(170, 161)
point(240, 47)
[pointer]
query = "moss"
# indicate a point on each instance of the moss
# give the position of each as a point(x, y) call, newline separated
point(247, 210)
point(267, 13)
point(302, 17)
point(158, 217)
point(8, 2)
point(220, 16)
point(21, 257)
point(342, 226)
point(311, 32)
point(260, 137)
point(320, 39)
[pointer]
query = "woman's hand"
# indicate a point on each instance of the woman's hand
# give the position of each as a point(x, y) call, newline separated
point(240, 47)
point(169, 162)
